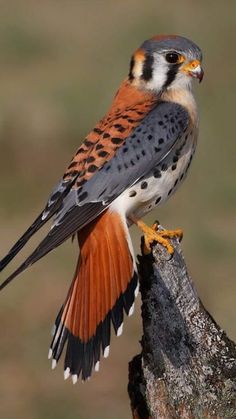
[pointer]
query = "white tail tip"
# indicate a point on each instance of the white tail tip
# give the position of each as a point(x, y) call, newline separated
point(74, 378)
point(54, 364)
point(136, 291)
point(119, 330)
point(66, 373)
point(131, 310)
point(97, 366)
point(106, 351)
point(50, 353)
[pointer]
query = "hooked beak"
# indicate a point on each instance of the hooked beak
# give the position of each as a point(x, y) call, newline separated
point(194, 69)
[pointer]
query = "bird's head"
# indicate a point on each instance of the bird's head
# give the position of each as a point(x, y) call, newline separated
point(164, 62)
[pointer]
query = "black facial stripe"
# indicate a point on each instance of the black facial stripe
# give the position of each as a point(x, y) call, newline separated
point(131, 76)
point(147, 67)
point(173, 70)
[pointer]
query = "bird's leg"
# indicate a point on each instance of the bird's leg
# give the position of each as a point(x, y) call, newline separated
point(152, 234)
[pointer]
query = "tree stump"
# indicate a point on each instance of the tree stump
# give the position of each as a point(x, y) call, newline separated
point(187, 366)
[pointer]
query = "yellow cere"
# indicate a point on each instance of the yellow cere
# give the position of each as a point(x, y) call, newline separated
point(191, 65)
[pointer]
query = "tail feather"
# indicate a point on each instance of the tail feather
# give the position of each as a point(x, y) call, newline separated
point(103, 289)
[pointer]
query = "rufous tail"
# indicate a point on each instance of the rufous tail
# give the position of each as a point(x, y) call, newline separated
point(103, 288)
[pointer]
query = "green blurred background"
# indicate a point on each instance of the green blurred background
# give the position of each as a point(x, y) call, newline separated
point(60, 64)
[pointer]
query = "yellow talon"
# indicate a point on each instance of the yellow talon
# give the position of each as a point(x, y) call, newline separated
point(172, 234)
point(152, 234)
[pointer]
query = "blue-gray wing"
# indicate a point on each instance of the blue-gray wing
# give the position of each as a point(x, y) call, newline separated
point(53, 206)
point(144, 149)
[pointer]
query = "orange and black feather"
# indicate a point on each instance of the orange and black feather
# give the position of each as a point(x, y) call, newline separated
point(103, 289)
point(129, 108)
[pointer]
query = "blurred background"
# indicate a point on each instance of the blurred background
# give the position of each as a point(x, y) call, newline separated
point(60, 65)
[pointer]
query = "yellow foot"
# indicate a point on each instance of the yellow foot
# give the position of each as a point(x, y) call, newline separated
point(153, 234)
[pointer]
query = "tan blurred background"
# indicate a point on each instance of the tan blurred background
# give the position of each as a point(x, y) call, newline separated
point(60, 64)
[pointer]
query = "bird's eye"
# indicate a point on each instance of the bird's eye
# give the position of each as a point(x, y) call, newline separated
point(172, 57)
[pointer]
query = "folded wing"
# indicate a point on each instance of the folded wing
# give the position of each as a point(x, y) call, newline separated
point(146, 146)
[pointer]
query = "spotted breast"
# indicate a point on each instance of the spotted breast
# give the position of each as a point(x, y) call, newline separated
point(162, 180)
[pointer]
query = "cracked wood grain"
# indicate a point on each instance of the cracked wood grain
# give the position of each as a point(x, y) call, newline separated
point(187, 366)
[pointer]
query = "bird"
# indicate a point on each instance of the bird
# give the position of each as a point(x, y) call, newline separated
point(134, 159)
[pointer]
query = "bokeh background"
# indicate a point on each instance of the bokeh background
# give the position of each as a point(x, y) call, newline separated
point(60, 65)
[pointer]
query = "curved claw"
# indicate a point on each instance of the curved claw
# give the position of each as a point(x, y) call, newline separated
point(152, 234)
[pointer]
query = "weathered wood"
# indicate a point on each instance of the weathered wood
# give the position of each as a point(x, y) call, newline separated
point(187, 367)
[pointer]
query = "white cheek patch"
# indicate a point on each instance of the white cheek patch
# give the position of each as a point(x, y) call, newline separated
point(138, 69)
point(159, 73)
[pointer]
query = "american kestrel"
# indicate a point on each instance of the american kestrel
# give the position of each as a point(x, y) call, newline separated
point(131, 162)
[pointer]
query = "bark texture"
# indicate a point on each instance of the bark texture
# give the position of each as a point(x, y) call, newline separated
point(187, 366)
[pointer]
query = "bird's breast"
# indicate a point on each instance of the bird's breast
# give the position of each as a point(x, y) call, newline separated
point(160, 182)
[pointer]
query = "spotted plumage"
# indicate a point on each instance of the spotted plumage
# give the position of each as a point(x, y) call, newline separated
point(128, 109)
point(132, 161)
